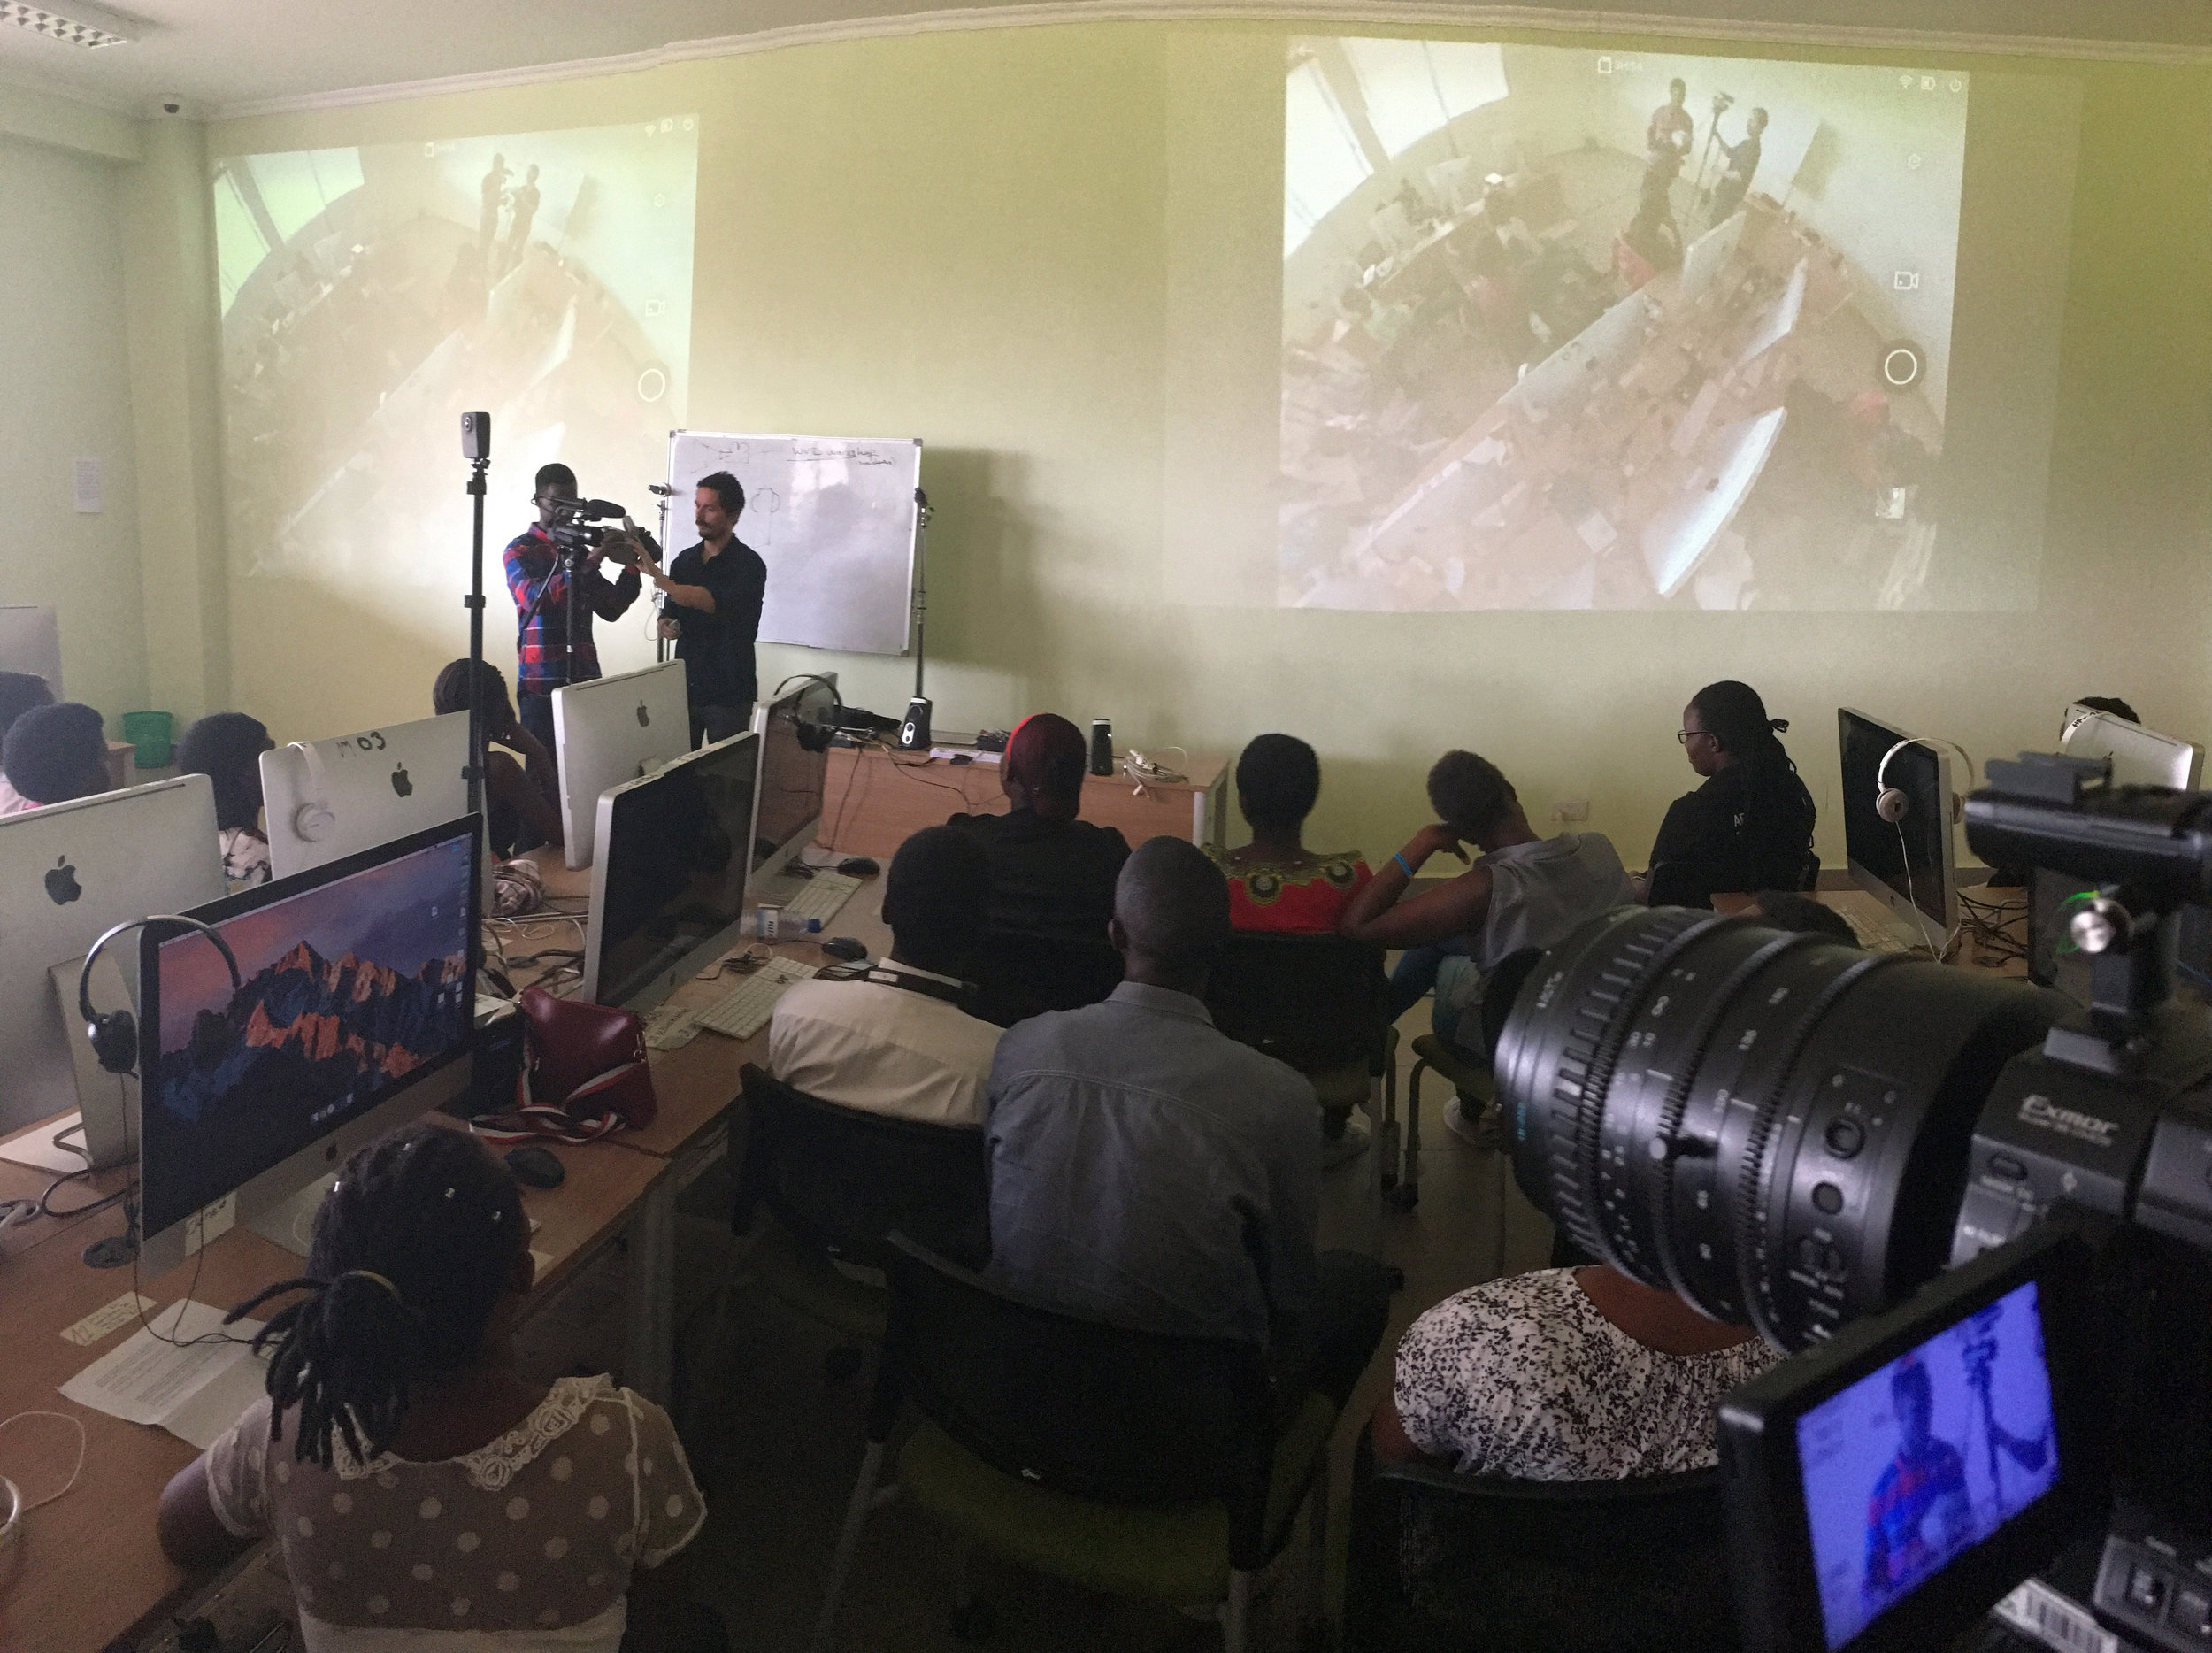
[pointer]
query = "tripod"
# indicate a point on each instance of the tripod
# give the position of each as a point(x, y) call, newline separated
point(1979, 1354)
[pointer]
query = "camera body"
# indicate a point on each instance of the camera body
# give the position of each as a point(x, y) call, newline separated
point(1960, 1198)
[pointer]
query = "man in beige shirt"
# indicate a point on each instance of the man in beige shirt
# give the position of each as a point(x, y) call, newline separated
point(897, 1042)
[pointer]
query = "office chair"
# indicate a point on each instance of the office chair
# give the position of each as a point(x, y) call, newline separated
point(1468, 1074)
point(821, 1189)
point(1138, 1465)
point(1319, 1003)
point(1020, 976)
point(1467, 1564)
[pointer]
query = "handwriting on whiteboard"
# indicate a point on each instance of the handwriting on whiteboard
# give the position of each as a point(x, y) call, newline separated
point(838, 450)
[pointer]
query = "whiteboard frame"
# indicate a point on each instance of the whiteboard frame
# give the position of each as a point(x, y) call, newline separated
point(913, 523)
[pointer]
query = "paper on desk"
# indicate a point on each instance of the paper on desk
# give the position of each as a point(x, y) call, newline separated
point(195, 1393)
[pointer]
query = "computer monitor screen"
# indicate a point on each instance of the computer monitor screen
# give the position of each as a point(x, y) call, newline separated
point(1926, 1458)
point(1909, 862)
point(67, 873)
point(356, 994)
point(668, 884)
point(329, 799)
point(607, 732)
point(792, 776)
point(2140, 757)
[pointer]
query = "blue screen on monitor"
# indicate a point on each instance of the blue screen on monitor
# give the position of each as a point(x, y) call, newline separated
point(1921, 1460)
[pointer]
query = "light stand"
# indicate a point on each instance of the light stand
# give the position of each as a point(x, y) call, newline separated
point(660, 644)
point(914, 731)
point(479, 454)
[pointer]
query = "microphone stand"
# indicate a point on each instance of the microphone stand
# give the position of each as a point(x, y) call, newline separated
point(474, 603)
point(921, 585)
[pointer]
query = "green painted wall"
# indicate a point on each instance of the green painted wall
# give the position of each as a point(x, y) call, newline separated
point(1010, 242)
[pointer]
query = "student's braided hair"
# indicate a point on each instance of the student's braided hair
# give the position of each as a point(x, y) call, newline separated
point(413, 1249)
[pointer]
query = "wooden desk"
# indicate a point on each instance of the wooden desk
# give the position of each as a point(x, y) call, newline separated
point(91, 1570)
point(874, 799)
point(1866, 910)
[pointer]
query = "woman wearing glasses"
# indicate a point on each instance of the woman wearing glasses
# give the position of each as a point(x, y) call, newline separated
point(1750, 826)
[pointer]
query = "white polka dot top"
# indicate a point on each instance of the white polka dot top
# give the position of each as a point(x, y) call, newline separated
point(524, 1545)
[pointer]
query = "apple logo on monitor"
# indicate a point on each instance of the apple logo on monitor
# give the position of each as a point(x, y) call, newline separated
point(61, 883)
point(400, 784)
point(644, 717)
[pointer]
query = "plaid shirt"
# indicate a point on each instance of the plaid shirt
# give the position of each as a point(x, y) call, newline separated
point(539, 654)
point(1897, 1551)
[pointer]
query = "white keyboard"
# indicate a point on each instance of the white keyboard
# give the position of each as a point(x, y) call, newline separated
point(1878, 937)
point(745, 1009)
point(820, 898)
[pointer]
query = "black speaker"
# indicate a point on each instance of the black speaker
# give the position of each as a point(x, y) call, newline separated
point(914, 732)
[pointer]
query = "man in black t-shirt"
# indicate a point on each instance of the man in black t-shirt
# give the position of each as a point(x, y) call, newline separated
point(714, 596)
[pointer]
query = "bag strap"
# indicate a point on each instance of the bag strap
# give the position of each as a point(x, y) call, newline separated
point(530, 1125)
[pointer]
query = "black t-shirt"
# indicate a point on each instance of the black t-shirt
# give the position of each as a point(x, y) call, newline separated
point(1722, 837)
point(716, 648)
point(1053, 878)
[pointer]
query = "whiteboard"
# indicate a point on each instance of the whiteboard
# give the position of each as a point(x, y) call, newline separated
point(833, 520)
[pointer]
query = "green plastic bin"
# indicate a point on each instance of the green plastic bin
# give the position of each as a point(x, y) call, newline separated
point(150, 733)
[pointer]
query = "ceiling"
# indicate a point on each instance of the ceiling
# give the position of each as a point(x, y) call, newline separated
point(232, 56)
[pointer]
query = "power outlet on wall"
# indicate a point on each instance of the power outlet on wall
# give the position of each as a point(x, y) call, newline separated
point(1570, 810)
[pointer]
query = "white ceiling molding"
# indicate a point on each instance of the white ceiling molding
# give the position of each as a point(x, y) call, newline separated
point(1357, 13)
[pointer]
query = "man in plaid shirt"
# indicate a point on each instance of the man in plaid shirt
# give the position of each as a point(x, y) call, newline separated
point(546, 656)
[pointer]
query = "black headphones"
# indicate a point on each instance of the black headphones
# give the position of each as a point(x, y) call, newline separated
point(115, 1033)
point(814, 737)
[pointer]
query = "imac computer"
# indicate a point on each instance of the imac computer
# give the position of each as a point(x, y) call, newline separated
point(2140, 757)
point(327, 800)
point(355, 1016)
point(67, 873)
point(609, 731)
point(794, 731)
point(668, 884)
point(1908, 864)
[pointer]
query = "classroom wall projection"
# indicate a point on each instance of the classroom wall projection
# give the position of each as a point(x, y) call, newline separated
point(1577, 328)
point(371, 294)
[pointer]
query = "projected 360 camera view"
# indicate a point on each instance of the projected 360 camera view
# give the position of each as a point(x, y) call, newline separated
point(371, 294)
point(1573, 329)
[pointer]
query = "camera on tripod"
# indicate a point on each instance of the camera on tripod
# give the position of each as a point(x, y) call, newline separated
point(1983, 1214)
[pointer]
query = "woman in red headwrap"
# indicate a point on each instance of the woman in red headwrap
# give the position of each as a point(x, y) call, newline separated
point(1053, 875)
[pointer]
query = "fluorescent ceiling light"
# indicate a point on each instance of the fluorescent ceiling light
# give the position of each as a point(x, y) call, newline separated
point(84, 26)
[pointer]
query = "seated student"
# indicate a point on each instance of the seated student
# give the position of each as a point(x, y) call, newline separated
point(522, 799)
point(1523, 892)
point(1563, 1374)
point(898, 1042)
point(1787, 910)
point(1750, 826)
point(226, 748)
point(1149, 1171)
point(19, 691)
point(1275, 882)
point(424, 1488)
point(54, 754)
point(1052, 875)
point(2111, 703)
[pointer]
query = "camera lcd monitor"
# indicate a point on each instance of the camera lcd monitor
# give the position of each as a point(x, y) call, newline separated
point(354, 1016)
point(793, 731)
point(607, 732)
point(68, 872)
point(668, 884)
point(1909, 864)
point(1925, 1457)
point(332, 798)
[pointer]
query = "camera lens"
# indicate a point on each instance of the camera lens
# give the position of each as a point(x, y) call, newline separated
point(1773, 1124)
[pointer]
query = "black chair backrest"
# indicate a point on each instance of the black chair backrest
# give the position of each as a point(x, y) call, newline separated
point(844, 1180)
point(1316, 1001)
point(1624, 1567)
point(1061, 1401)
point(1019, 976)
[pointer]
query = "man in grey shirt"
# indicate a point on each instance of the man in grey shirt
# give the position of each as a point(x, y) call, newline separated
point(1149, 1171)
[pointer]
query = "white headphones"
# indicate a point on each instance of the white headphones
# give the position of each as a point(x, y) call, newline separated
point(313, 820)
point(1889, 803)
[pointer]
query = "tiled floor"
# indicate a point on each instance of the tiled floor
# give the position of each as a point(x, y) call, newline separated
point(778, 1443)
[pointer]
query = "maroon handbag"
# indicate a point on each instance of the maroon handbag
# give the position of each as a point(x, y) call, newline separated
point(584, 1073)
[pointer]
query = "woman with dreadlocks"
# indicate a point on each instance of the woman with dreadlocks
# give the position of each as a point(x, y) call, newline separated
point(1750, 826)
point(424, 1490)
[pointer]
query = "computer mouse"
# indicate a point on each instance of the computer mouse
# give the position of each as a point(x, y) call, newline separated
point(858, 866)
point(845, 947)
point(535, 1167)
